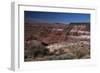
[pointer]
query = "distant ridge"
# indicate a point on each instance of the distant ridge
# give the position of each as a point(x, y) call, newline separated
point(37, 21)
point(80, 23)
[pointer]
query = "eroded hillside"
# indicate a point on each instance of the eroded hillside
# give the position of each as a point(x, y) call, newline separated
point(56, 41)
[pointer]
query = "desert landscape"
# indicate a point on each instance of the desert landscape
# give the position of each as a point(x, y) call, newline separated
point(56, 39)
point(44, 41)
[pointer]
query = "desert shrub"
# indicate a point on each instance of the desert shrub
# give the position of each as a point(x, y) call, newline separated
point(67, 56)
point(25, 57)
point(62, 57)
point(76, 52)
point(80, 52)
point(53, 57)
point(39, 51)
point(86, 56)
point(36, 49)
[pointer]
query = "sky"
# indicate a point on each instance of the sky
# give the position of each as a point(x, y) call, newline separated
point(55, 17)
